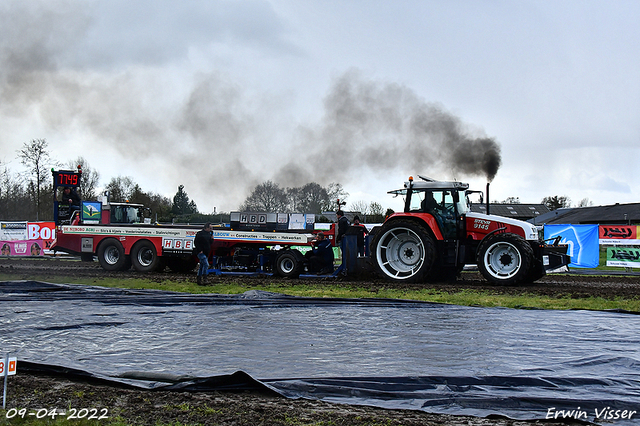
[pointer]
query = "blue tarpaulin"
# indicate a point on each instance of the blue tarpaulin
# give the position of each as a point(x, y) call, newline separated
point(583, 242)
point(387, 353)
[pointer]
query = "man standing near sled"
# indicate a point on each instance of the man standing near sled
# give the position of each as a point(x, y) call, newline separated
point(201, 246)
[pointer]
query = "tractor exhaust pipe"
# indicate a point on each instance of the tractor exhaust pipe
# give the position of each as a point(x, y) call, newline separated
point(488, 212)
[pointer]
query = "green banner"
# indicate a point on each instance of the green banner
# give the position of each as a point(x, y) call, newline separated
point(626, 257)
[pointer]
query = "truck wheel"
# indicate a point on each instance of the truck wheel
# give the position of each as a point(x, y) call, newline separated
point(403, 250)
point(505, 259)
point(144, 256)
point(111, 256)
point(289, 264)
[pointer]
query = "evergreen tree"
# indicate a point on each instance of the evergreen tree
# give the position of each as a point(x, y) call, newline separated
point(182, 205)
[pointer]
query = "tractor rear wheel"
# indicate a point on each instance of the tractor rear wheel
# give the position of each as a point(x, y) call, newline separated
point(403, 250)
point(505, 259)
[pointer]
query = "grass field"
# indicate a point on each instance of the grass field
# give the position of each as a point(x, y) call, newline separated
point(465, 297)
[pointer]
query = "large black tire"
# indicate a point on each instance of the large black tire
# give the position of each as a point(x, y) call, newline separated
point(536, 272)
point(289, 264)
point(403, 250)
point(505, 259)
point(111, 256)
point(144, 256)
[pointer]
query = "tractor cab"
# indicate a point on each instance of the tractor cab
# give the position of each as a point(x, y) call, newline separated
point(445, 201)
point(126, 213)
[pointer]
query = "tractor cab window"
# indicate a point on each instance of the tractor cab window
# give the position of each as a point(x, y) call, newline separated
point(124, 214)
point(442, 204)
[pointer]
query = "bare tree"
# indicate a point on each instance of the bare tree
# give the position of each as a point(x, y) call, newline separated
point(585, 202)
point(376, 212)
point(556, 202)
point(120, 188)
point(88, 180)
point(511, 200)
point(336, 192)
point(266, 197)
point(312, 198)
point(35, 156)
point(14, 200)
point(360, 207)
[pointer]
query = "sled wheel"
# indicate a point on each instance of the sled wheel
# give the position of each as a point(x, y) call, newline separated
point(505, 259)
point(289, 264)
point(403, 250)
point(111, 256)
point(144, 256)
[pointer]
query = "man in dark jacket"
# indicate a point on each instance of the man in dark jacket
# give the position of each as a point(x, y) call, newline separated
point(343, 225)
point(201, 246)
point(360, 231)
point(321, 255)
point(70, 196)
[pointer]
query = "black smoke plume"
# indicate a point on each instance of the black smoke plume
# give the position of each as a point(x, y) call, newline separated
point(387, 127)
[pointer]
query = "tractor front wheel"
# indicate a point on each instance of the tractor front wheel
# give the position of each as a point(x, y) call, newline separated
point(505, 259)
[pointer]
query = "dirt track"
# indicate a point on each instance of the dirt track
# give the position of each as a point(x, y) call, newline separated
point(557, 285)
point(250, 408)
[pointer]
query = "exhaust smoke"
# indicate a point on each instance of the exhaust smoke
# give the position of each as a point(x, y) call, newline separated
point(386, 127)
point(211, 125)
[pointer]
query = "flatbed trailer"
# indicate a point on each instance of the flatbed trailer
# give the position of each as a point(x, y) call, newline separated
point(120, 237)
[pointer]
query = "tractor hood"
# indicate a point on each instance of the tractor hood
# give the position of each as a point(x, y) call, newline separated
point(487, 222)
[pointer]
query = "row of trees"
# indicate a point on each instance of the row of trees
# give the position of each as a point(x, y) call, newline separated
point(310, 198)
point(553, 202)
point(29, 196)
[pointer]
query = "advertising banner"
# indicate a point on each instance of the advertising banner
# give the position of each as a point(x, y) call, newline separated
point(12, 231)
point(582, 241)
point(625, 257)
point(619, 235)
point(26, 238)
point(91, 212)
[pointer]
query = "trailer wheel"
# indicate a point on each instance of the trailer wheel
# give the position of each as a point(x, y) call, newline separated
point(289, 264)
point(505, 259)
point(144, 256)
point(403, 250)
point(111, 256)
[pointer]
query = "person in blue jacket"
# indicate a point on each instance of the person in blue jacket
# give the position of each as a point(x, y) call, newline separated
point(321, 255)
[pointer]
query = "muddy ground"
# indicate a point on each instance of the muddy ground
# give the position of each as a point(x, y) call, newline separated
point(141, 407)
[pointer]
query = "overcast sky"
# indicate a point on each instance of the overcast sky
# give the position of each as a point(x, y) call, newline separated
point(222, 95)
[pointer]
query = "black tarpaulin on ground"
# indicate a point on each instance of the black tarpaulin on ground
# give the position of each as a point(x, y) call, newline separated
point(388, 353)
